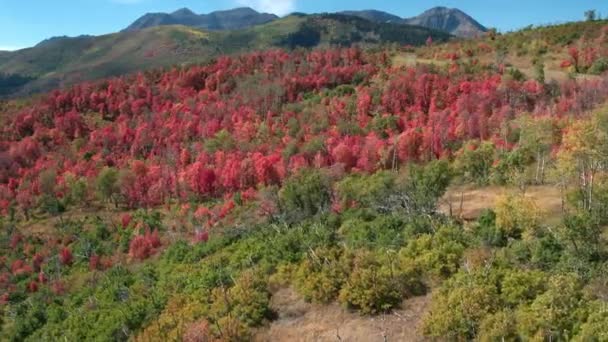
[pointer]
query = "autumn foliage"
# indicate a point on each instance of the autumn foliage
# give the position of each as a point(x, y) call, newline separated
point(200, 132)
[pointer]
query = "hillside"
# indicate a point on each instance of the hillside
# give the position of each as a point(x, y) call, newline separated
point(309, 193)
point(63, 61)
point(233, 19)
point(551, 53)
point(280, 183)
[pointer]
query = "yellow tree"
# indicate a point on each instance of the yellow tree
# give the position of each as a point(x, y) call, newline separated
point(584, 154)
point(537, 136)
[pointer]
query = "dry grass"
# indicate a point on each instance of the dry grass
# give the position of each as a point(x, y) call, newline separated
point(411, 60)
point(467, 203)
point(301, 321)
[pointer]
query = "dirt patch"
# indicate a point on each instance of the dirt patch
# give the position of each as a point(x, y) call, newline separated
point(475, 200)
point(301, 321)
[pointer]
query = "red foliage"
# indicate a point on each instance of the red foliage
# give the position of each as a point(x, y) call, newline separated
point(144, 246)
point(125, 220)
point(58, 288)
point(42, 278)
point(201, 236)
point(155, 123)
point(94, 262)
point(37, 261)
point(5, 298)
point(198, 332)
point(574, 56)
point(65, 256)
point(32, 286)
point(15, 240)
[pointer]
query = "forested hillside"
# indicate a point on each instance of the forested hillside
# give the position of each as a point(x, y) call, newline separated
point(178, 204)
point(63, 61)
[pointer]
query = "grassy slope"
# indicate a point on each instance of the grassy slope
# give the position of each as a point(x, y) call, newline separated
point(548, 44)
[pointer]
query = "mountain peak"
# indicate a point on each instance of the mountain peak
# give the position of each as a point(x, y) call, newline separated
point(374, 15)
point(243, 10)
point(183, 12)
point(439, 9)
point(237, 18)
point(451, 20)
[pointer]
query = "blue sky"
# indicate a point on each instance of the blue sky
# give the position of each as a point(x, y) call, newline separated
point(24, 23)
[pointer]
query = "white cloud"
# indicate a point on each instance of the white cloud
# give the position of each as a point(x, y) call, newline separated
point(9, 47)
point(278, 7)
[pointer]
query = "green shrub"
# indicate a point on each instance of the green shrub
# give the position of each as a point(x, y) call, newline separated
point(595, 327)
point(438, 255)
point(379, 283)
point(106, 184)
point(499, 326)
point(459, 306)
point(221, 141)
point(306, 194)
point(384, 231)
point(365, 190)
point(599, 66)
point(555, 314)
point(247, 301)
point(475, 160)
point(521, 287)
point(486, 229)
point(321, 275)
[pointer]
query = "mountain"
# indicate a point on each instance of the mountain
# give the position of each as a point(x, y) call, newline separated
point(237, 18)
point(63, 61)
point(451, 20)
point(377, 16)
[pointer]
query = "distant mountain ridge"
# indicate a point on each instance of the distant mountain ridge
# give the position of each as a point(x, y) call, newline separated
point(233, 19)
point(450, 20)
point(374, 15)
point(61, 61)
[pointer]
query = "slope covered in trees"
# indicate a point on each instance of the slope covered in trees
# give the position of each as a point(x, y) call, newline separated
point(181, 200)
point(63, 61)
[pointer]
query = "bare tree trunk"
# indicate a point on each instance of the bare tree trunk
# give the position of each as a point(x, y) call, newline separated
point(542, 171)
point(461, 203)
point(537, 176)
point(591, 190)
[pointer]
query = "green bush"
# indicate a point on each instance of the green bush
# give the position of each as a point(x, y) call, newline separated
point(306, 194)
point(521, 287)
point(595, 327)
point(556, 313)
point(599, 66)
point(383, 231)
point(106, 185)
point(424, 186)
point(247, 301)
point(221, 141)
point(499, 326)
point(365, 190)
point(459, 306)
point(486, 230)
point(438, 255)
point(474, 161)
point(379, 283)
point(321, 275)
